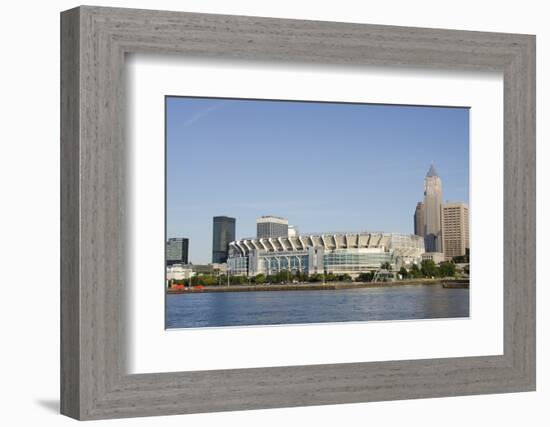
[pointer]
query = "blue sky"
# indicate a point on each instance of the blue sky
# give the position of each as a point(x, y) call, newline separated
point(324, 166)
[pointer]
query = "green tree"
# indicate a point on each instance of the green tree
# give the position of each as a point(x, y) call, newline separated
point(447, 269)
point(206, 280)
point(259, 279)
point(282, 276)
point(364, 277)
point(237, 280)
point(301, 276)
point(415, 271)
point(403, 272)
point(330, 277)
point(428, 268)
point(462, 258)
point(315, 278)
point(385, 266)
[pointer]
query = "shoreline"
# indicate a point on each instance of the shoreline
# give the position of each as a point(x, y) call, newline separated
point(446, 283)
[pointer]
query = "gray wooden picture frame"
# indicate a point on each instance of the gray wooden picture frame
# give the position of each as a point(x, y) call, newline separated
point(94, 41)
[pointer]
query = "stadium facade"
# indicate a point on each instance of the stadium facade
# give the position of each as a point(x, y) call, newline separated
point(336, 253)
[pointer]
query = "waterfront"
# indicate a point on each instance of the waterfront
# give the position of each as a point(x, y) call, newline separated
point(419, 301)
point(316, 286)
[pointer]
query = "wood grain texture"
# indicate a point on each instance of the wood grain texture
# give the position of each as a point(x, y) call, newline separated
point(70, 297)
point(94, 382)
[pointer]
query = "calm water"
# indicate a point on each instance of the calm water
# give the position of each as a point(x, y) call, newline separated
point(287, 307)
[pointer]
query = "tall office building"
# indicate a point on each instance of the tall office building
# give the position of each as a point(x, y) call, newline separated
point(271, 226)
point(432, 211)
point(456, 229)
point(177, 251)
point(419, 219)
point(223, 234)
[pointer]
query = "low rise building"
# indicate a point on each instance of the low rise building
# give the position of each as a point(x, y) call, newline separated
point(179, 272)
point(186, 271)
point(436, 257)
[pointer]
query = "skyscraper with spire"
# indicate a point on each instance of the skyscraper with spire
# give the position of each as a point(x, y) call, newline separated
point(432, 211)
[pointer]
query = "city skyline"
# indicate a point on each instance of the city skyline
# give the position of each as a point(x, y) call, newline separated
point(323, 166)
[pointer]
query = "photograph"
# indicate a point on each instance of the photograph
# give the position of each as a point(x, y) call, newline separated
point(284, 212)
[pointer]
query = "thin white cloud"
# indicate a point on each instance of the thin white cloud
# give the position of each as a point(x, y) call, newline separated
point(202, 114)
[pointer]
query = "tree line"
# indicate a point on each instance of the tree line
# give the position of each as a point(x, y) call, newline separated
point(281, 277)
point(427, 269)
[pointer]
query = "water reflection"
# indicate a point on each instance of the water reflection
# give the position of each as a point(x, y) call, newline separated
point(295, 307)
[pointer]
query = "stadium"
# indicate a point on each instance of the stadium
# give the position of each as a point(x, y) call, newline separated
point(336, 253)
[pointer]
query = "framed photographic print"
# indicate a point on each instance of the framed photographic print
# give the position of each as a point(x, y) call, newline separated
point(282, 213)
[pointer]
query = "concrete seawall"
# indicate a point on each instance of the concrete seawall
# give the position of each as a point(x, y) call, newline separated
point(446, 283)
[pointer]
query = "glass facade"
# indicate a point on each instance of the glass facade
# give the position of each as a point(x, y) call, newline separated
point(238, 266)
point(348, 261)
point(223, 233)
point(274, 263)
point(177, 251)
point(406, 243)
